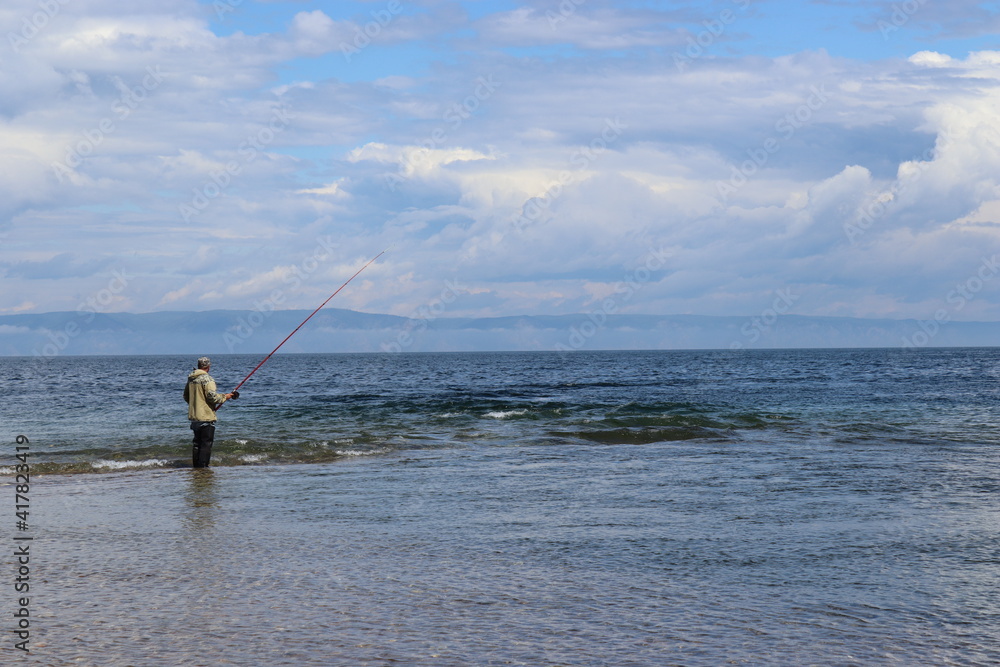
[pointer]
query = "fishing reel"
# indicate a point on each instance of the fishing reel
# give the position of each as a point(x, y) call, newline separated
point(236, 394)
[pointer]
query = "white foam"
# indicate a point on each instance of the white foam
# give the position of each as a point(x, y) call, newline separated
point(241, 442)
point(253, 458)
point(505, 414)
point(118, 465)
point(358, 452)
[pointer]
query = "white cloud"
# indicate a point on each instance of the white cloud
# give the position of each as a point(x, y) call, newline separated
point(538, 181)
point(584, 26)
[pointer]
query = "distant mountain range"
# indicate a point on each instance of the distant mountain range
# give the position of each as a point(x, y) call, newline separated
point(337, 330)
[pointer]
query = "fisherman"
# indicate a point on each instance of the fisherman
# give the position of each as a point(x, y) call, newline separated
point(203, 400)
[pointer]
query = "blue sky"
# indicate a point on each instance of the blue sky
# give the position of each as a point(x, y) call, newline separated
point(539, 157)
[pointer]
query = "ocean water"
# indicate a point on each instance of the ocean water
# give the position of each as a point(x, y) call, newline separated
point(828, 507)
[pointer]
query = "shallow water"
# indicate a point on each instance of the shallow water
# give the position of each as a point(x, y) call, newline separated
point(637, 509)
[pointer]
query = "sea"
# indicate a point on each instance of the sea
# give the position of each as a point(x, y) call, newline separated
point(750, 507)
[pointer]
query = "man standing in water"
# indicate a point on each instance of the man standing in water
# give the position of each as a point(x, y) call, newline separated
point(203, 400)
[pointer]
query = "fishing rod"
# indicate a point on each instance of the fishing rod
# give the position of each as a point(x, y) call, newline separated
point(235, 392)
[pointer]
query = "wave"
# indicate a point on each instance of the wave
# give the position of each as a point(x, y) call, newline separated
point(122, 465)
point(640, 436)
point(506, 414)
point(225, 453)
point(324, 433)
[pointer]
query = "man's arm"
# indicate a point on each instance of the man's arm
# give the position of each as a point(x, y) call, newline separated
point(214, 398)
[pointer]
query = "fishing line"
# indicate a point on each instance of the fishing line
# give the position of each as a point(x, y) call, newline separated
point(235, 391)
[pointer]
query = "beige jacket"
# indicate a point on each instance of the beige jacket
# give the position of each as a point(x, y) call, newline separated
point(202, 398)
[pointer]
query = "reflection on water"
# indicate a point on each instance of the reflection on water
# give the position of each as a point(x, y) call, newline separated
point(202, 500)
point(750, 553)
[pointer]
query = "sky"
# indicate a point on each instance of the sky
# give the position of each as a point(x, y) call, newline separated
point(521, 157)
